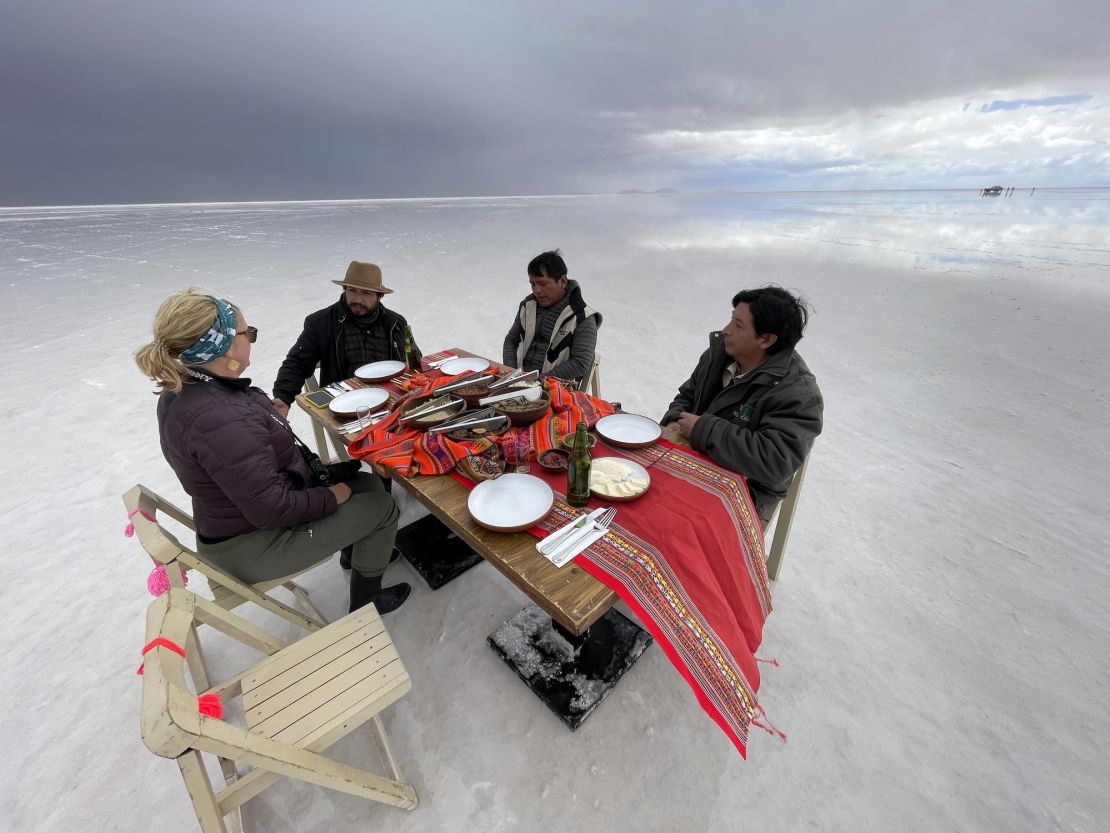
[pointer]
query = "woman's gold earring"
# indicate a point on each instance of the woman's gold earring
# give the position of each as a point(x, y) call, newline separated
point(233, 365)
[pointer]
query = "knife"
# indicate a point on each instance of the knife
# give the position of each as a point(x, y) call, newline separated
point(576, 542)
point(556, 538)
point(579, 546)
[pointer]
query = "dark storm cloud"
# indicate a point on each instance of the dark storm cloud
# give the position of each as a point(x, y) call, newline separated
point(129, 102)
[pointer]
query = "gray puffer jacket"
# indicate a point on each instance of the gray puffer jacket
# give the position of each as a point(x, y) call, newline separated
point(236, 459)
point(762, 426)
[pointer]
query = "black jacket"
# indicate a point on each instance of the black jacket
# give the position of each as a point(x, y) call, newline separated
point(235, 457)
point(321, 343)
point(762, 426)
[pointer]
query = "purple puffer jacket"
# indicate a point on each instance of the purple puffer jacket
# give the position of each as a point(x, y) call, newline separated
point(237, 460)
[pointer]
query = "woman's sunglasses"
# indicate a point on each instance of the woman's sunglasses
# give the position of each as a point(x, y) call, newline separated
point(251, 333)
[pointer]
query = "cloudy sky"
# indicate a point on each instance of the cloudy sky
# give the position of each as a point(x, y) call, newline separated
point(109, 101)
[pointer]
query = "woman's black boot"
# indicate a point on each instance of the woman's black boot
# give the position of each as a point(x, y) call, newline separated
point(366, 590)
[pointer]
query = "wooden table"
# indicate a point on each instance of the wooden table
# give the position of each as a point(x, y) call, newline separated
point(572, 597)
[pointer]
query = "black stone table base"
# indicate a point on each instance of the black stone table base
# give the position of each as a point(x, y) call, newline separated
point(571, 674)
point(435, 552)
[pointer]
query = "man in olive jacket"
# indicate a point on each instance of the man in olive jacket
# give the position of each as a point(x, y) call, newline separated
point(751, 404)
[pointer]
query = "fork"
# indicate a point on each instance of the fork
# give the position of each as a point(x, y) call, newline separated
point(573, 543)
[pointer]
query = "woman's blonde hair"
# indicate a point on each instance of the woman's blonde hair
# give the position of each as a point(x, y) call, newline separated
point(178, 325)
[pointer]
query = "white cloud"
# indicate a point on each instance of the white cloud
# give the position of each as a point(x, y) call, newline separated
point(941, 142)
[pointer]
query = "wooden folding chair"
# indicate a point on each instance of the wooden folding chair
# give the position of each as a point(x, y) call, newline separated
point(322, 436)
point(297, 702)
point(782, 519)
point(227, 591)
point(592, 382)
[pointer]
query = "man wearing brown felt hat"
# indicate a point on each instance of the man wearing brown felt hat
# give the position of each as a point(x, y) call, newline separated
point(355, 330)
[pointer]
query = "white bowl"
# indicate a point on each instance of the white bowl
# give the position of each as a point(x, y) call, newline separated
point(379, 371)
point(348, 403)
point(511, 503)
point(629, 430)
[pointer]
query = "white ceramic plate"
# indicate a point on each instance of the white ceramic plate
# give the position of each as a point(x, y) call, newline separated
point(348, 403)
point(379, 371)
point(614, 478)
point(455, 367)
point(629, 430)
point(511, 503)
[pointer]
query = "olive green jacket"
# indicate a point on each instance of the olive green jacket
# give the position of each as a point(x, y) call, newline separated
point(762, 426)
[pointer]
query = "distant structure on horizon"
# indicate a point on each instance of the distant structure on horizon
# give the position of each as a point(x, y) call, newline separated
point(993, 191)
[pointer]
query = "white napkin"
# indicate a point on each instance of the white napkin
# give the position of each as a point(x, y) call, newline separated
point(588, 539)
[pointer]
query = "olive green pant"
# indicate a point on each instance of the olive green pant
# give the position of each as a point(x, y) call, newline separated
point(368, 520)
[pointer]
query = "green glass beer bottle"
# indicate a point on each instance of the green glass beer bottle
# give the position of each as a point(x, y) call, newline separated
point(578, 469)
point(412, 352)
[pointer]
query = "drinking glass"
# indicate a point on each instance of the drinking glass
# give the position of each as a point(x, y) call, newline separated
point(523, 450)
point(362, 414)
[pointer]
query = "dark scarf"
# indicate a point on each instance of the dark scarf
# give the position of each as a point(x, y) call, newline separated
point(364, 339)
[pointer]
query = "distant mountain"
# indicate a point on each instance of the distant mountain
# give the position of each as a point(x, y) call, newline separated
point(656, 191)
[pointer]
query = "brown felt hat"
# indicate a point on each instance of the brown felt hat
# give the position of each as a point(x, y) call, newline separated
point(364, 276)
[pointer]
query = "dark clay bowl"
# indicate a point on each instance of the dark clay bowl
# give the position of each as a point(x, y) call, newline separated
point(554, 459)
point(524, 413)
point(567, 441)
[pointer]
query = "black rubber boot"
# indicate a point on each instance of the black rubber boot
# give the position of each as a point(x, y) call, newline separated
point(366, 590)
point(346, 553)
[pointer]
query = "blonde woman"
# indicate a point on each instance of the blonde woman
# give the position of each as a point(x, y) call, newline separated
point(258, 512)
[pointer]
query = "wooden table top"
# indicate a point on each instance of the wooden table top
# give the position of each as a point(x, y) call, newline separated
point(570, 595)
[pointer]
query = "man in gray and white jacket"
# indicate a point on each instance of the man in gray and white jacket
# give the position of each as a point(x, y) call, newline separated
point(751, 403)
point(554, 332)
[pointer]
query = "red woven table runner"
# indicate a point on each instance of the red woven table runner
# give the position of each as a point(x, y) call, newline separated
point(688, 558)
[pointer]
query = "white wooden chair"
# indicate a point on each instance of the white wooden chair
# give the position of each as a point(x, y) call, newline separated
point(781, 520)
point(592, 382)
point(296, 702)
point(322, 436)
point(227, 591)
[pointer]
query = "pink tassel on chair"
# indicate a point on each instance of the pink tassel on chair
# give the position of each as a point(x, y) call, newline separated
point(210, 706)
point(129, 530)
point(158, 582)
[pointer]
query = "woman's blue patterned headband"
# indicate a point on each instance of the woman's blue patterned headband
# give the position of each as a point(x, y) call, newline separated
point(217, 341)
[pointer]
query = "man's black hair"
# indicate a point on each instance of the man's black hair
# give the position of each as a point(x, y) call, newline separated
point(774, 310)
point(547, 265)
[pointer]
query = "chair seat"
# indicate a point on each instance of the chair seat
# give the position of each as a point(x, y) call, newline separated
point(322, 683)
point(229, 599)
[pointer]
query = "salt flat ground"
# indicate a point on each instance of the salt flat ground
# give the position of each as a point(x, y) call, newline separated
point(941, 621)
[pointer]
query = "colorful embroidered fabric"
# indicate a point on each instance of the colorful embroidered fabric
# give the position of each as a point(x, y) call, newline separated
point(410, 451)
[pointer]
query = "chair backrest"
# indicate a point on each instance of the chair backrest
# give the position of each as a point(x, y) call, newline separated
point(164, 548)
point(592, 382)
point(161, 544)
point(322, 437)
point(782, 520)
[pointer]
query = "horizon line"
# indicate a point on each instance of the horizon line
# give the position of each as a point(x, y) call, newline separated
point(630, 192)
